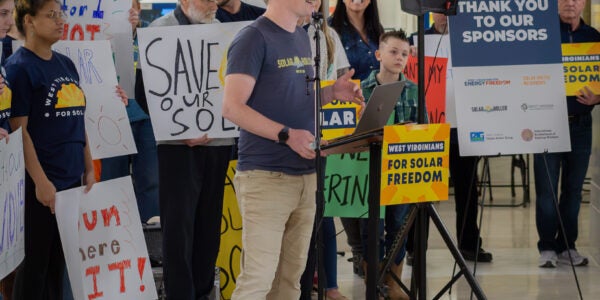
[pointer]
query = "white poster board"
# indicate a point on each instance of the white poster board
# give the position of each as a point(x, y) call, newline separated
point(103, 242)
point(106, 122)
point(184, 70)
point(12, 203)
point(104, 20)
point(508, 78)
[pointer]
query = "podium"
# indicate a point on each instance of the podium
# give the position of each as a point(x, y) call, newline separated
point(372, 141)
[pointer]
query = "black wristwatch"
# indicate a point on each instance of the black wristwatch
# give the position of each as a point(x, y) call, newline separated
point(283, 135)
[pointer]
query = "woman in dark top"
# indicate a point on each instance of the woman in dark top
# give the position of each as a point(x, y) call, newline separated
point(357, 23)
point(49, 105)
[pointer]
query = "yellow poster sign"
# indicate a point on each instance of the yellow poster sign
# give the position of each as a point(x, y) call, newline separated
point(339, 118)
point(414, 164)
point(230, 250)
point(581, 66)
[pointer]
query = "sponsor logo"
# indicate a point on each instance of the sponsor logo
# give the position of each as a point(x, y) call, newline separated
point(487, 82)
point(536, 80)
point(527, 107)
point(527, 134)
point(489, 108)
point(477, 136)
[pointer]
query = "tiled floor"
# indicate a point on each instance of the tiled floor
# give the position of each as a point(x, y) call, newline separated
point(510, 234)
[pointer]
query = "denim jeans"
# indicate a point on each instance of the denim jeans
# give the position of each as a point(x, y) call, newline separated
point(144, 169)
point(571, 167)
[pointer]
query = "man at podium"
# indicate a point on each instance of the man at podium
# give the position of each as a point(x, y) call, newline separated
point(268, 95)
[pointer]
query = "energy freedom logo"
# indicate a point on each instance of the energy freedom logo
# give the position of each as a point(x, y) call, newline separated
point(486, 82)
point(489, 108)
point(477, 136)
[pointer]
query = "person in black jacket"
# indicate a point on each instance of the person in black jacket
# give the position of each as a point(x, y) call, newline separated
point(463, 172)
point(571, 166)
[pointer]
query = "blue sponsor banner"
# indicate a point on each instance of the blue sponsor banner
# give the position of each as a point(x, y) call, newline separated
point(505, 32)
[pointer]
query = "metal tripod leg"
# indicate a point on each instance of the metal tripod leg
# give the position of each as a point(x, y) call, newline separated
point(455, 253)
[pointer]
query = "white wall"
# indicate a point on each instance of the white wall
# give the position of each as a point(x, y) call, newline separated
point(259, 3)
point(392, 16)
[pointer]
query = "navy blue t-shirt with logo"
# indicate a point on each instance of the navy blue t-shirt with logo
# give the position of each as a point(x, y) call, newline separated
point(280, 61)
point(48, 92)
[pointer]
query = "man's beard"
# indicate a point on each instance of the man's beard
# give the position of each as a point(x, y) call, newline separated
point(199, 17)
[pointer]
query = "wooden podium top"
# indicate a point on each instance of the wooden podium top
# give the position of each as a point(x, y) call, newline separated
point(353, 143)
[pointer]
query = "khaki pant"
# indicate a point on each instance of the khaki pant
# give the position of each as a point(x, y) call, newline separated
point(277, 214)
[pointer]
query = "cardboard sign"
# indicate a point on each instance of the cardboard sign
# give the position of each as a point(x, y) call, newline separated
point(415, 163)
point(581, 64)
point(435, 85)
point(103, 242)
point(104, 20)
point(184, 70)
point(12, 203)
point(230, 251)
point(106, 121)
point(339, 118)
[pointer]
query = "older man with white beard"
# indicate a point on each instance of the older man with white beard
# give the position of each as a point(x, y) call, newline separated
point(191, 184)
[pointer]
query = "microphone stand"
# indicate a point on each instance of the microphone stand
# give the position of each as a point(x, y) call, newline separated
point(317, 18)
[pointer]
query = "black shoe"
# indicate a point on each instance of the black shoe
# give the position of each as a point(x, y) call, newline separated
point(409, 258)
point(356, 260)
point(483, 255)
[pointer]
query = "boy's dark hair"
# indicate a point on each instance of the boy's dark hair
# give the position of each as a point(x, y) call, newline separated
point(398, 34)
point(24, 7)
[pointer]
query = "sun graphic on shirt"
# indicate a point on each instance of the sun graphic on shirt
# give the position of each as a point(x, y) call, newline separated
point(69, 95)
point(5, 98)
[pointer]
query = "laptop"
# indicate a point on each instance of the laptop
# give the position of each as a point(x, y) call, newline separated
point(376, 114)
point(379, 108)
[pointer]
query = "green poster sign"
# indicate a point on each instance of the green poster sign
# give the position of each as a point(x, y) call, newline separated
point(346, 188)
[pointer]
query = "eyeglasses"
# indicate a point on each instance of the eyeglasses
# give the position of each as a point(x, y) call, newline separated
point(56, 14)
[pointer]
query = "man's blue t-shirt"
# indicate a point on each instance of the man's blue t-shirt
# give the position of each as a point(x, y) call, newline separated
point(279, 61)
point(48, 93)
point(247, 13)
